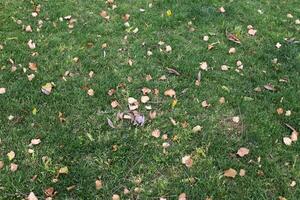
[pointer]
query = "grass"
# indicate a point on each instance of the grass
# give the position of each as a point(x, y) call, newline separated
point(84, 142)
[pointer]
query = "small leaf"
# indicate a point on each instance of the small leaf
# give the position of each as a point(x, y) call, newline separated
point(13, 167)
point(35, 141)
point(170, 93)
point(2, 90)
point(187, 161)
point(32, 196)
point(156, 133)
point(287, 141)
point(98, 184)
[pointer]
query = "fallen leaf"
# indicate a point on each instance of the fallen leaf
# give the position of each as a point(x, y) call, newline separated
point(173, 71)
point(224, 68)
point(35, 141)
point(168, 48)
point(242, 172)
point(205, 104)
point(242, 152)
point(203, 66)
point(98, 184)
point(91, 92)
point(279, 111)
point(104, 14)
point(145, 99)
point(287, 141)
point(288, 113)
point(221, 10)
point(11, 155)
point(47, 88)
point(28, 28)
point(222, 100)
point(114, 104)
point(187, 161)
point(278, 45)
point(197, 129)
point(231, 173)
point(115, 197)
point(32, 196)
point(236, 119)
point(31, 44)
point(49, 192)
point(269, 87)
point(1, 164)
point(232, 50)
point(156, 133)
point(170, 93)
point(205, 38)
point(110, 123)
point(233, 38)
point(152, 114)
point(2, 90)
point(169, 13)
point(252, 32)
point(32, 66)
point(182, 196)
point(132, 100)
point(13, 167)
point(63, 170)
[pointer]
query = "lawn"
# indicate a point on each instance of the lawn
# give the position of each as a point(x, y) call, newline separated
point(149, 99)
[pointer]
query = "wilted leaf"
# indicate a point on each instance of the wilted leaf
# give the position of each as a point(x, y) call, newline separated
point(242, 152)
point(231, 173)
point(114, 104)
point(269, 87)
point(197, 129)
point(242, 172)
point(110, 123)
point(221, 10)
point(236, 119)
point(182, 196)
point(173, 71)
point(31, 44)
point(32, 66)
point(145, 99)
point(115, 197)
point(203, 66)
point(91, 92)
point(1, 164)
point(49, 192)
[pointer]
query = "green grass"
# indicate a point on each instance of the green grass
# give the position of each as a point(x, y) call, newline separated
point(84, 142)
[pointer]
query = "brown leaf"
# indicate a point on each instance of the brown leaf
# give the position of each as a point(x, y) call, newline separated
point(104, 14)
point(231, 173)
point(35, 141)
point(242, 152)
point(182, 196)
point(115, 197)
point(242, 172)
point(114, 104)
point(126, 17)
point(49, 192)
point(279, 111)
point(31, 44)
point(152, 114)
point(170, 93)
point(91, 92)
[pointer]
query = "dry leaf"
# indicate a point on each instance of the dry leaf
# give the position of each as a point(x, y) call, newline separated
point(288, 113)
point(11, 155)
point(28, 28)
point(232, 50)
point(145, 99)
point(252, 32)
point(63, 170)
point(242, 152)
point(279, 111)
point(224, 68)
point(168, 48)
point(278, 45)
point(114, 104)
point(242, 172)
point(47, 88)
point(231, 173)
point(269, 87)
point(49, 192)
point(156, 133)
point(91, 92)
point(13, 167)
point(35, 141)
point(236, 119)
point(115, 197)
point(294, 135)
point(287, 141)
point(126, 17)
point(1, 164)
point(182, 196)
point(31, 44)
point(197, 129)
point(203, 66)
point(205, 104)
point(221, 10)
point(205, 38)
point(233, 38)
point(170, 93)
point(98, 184)
point(32, 196)
point(104, 14)
point(187, 161)
point(222, 100)
point(2, 90)
point(132, 100)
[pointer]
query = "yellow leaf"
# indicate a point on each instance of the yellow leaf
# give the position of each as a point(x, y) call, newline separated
point(63, 170)
point(34, 111)
point(169, 13)
point(174, 102)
